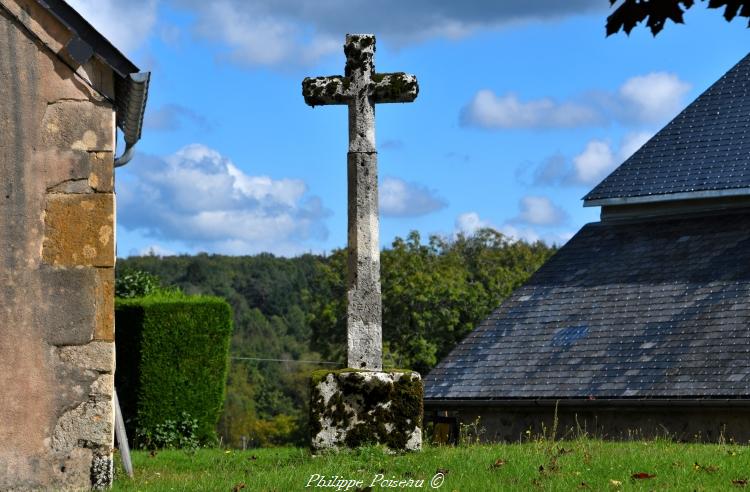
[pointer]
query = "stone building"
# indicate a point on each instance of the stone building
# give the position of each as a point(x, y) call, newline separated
point(640, 324)
point(63, 91)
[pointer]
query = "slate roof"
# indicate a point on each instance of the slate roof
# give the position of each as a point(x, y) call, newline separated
point(647, 309)
point(705, 149)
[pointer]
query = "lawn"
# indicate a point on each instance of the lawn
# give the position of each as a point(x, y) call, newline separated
point(581, 464)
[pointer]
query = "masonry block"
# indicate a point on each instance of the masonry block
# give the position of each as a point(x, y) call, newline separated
point(74, 289)
point(105, 305)
point(78, 171)
point(78, 125)
point(351, 408)
point(79, 230)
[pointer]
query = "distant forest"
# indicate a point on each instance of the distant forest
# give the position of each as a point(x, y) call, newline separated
point(294, 309)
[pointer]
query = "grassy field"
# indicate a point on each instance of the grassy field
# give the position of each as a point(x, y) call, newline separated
point(582, 464)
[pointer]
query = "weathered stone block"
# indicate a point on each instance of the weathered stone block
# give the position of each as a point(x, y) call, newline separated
point(77, 171)
point(96, 356)
point(73, 289)
point(90, 423)
point(78, 125)
point(351, 408)
point(105, 305)
point(79, 230)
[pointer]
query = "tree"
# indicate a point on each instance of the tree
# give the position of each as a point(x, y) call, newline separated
point(632, 12)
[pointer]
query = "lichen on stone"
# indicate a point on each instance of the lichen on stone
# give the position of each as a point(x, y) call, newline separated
point(351, 407)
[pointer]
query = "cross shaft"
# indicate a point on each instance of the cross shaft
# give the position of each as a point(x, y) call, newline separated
point(361, 88)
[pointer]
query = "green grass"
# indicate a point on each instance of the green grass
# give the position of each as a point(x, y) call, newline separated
point(581, 464)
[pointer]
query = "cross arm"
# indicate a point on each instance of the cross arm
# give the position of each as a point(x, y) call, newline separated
point(321, 91)
point(398, 87)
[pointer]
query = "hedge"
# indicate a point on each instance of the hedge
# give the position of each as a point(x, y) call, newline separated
point(172, 357)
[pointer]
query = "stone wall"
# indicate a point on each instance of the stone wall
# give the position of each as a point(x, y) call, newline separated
point(683, 422)
point(56, 260)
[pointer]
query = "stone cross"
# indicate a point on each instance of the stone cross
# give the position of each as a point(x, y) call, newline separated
point(361, 88)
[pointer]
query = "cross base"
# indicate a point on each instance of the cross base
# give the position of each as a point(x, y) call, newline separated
point(351, 408)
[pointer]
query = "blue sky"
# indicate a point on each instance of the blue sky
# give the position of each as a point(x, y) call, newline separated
point(523, 107)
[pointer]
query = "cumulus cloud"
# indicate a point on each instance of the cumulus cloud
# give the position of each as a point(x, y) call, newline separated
point(539, 210)
point(399, 198)
point(488, 110)
point(201, 198)
point(171, 117)
point(125, 24)
point(597, 159)
point(269, 32)
point(274, 32)
point(470, 222)
point(650, 98)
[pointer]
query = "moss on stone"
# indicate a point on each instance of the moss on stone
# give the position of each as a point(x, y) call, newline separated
point(398, 84)
point(369, 411)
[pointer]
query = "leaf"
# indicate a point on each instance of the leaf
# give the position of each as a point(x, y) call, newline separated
point(740, 482)
point(444, 471)
point(615, 483)
point(238, 486)
point(642, 476)
point(707, 469)
point(498, 463)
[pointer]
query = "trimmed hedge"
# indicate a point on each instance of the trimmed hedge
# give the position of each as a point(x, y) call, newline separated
point(172, 357)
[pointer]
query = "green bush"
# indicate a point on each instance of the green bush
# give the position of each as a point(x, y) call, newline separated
point(136, 283)
point(170, 435)
point(172, 358)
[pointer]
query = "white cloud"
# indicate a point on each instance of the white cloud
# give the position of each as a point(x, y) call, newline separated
point(653, 97)
point(539, 210)
point(126, 25)
point(470, 222)
point(487, 110)
point(598, 159)
point(650, 98)
point(401, 199)
point(201, 198)
point(591, 165)
point(274, 32)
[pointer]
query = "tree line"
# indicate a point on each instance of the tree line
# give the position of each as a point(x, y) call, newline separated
point(290, 315)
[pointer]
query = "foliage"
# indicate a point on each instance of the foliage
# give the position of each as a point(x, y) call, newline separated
point(136, 283)
point(170, 434)
point(578, 464)
point(294, 309)
point(172, 358)
point(656, 12)
point(434, 294)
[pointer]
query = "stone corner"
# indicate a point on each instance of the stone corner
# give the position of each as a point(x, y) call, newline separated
point(351, 408)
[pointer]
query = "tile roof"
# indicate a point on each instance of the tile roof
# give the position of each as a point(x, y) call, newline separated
point(657, 309)
point(706, 148)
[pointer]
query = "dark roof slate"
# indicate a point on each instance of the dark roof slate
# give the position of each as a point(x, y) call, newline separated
point(705, 148)
point(656, 309)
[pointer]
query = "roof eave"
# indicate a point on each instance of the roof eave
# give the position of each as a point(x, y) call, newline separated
point(690, 195)
point(131, 85)
point(697, 401)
